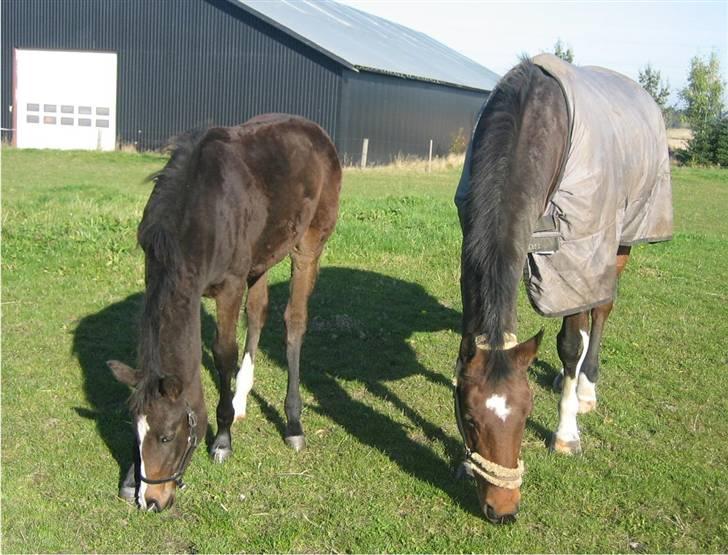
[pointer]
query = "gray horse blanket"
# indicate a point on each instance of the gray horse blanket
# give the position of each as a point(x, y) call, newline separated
point(615, 188)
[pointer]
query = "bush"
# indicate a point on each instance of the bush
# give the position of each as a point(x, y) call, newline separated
point(459, 142)
point(709, 146)
point(720, 143)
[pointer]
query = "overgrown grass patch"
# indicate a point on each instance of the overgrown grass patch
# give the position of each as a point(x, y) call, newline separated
point(377, 363)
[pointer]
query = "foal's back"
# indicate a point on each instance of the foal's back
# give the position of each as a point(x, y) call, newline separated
point(255, 190)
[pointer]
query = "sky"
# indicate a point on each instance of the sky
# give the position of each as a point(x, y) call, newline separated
point(623, 36)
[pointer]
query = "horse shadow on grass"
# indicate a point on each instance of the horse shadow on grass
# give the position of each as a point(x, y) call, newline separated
point(108, 334)
point(360, 323)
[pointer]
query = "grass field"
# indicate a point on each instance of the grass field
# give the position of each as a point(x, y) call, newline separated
point(377, 363)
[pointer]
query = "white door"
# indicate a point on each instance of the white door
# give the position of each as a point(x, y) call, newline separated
point(65, 100)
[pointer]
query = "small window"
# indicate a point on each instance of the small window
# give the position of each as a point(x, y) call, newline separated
point(33, 107)
point(84, 122)
point(102, 123)
point(102, 111)
point(65, 109)
point(84, 109)
point(66, 121)
point(32, 119)
point(49, 107)
point(49, 120)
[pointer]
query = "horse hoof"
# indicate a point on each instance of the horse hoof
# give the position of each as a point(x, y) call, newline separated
point(127, 493)
point(587, 406)
point(220, 454)
point(572, 447)
point(239, 418)
point(558, 381)
point(463, 472)
point(297, 443)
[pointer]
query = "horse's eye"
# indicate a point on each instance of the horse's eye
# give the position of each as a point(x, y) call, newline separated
point(166, 439)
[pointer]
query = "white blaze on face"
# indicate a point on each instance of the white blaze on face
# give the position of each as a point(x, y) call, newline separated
point(142, 429)
point(243, 385)
point(497, 403)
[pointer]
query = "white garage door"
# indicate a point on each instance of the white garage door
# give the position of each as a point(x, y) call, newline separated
point(65, 100)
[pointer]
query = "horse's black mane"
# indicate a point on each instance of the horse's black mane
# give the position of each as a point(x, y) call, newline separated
point(497, 215)
point(158, 236)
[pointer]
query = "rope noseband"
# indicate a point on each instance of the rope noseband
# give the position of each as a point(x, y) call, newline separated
point(499, 476)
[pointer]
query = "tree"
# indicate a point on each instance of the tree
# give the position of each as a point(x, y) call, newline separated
point(703, 97)
point(563, 51)
point(720, 142)
point(651, 81)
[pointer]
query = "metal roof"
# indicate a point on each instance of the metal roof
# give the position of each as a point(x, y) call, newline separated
point(362, 41)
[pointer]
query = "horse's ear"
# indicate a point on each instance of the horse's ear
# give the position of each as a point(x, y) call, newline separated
point(170, 387)
point(525, 353)
point(125, 374)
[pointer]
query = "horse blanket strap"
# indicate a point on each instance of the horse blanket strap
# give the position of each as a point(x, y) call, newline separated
point(615, 189)
point(509, 341)
point(545, 238)
point(191, 444)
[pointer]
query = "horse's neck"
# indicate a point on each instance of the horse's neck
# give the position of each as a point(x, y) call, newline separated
point(505, 212)
point(175, 345)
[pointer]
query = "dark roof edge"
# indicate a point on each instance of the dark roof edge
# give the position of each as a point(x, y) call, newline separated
point(295, 35)
point(424, 79)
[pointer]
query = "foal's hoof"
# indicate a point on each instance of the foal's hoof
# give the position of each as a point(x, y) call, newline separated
point(297, 443)
point(587, 405)
point(221, 454)
point(464, 472)
point(220, 450)
point(127, 493)
point(572, 447)
point(558, 381)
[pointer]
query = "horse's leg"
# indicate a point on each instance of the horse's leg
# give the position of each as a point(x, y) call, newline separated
point(572, 343)
point(225, 352)
point(586, 386)
point(304, 270)
point(256, 311)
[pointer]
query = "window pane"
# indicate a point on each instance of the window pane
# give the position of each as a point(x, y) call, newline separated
point(102, 111)
point(50, 120)
point(33, 107)
point(49, 107)
point(84, 122)
point(66, 121)
point(102, 123)
point(66, 109)
point(32, 119)
point(84, 109)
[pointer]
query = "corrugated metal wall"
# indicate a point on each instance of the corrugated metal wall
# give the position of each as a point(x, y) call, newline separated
point(400, 116)
point(182, 63)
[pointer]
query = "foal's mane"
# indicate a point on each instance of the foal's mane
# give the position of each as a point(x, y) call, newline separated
point(497, 210)
point(158, 236)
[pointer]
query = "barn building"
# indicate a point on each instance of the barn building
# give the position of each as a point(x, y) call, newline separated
point(96, 74)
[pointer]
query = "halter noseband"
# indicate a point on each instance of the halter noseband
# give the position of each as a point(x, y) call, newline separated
point(191, 444)
point(499, 476)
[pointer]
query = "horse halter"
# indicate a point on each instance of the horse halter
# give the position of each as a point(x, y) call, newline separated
point(499, 476)
point(191, 444)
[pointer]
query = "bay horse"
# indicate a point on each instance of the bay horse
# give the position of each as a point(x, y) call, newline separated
point(568, 168)
point(229, 204)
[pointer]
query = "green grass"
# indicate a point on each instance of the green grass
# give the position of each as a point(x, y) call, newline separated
point(377, 362)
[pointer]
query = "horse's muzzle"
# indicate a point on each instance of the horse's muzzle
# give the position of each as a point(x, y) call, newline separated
point(495, 518)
